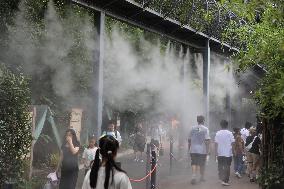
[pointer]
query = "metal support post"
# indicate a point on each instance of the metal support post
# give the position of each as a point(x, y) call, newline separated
point(8, 185)
point(230, 97)
point(183, 121)
point(206, 75)
point(228, 108)
point(96, 116)
point(148, 159)
point(154, 173)
point(171, 154)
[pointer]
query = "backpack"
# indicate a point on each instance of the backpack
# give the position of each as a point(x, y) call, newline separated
point(115, 133)
point(249, 146)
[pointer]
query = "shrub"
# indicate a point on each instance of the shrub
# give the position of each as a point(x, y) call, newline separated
point(15, 124)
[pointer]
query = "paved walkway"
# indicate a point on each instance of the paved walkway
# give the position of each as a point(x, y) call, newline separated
point(180, 176)
point(182, 181)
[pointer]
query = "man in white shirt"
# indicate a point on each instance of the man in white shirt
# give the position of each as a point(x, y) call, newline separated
point(111, 131)
point(224, 141)
point(245, 131)
point(198, 143)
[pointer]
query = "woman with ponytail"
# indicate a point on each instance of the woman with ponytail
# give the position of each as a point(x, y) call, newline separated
point(106, 174)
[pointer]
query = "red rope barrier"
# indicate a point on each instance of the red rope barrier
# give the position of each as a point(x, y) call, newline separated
point(140, 180)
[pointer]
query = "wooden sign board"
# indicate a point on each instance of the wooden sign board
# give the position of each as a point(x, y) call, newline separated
point(76, 120)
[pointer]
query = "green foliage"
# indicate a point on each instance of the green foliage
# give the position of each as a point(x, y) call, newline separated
point(273, 174)
point(270, 96)
point(35, 182)
point(54, 159)
point(15, 124)
point(78, 33)
point(263, 44)
point(7, 9)
point(187, 12)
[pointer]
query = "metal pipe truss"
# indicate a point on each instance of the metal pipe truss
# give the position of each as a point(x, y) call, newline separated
point(207, 16)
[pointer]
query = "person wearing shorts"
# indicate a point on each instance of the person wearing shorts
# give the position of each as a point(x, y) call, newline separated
point(253, 154)
point(198, 143)
point(139, 142)
point(198, 159)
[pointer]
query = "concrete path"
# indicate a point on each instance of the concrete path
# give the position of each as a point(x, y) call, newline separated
point(182, 181)
point(180, 176)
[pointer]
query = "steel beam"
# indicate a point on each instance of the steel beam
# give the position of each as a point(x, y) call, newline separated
point(135, 14)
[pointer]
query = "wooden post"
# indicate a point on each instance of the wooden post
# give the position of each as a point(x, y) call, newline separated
point(33, 142)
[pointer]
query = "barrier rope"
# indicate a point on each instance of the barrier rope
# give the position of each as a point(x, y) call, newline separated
point(142, 179)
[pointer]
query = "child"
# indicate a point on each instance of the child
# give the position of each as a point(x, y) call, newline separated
point(89, 154)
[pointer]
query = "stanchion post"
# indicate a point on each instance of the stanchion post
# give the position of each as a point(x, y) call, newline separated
point(153, 164)
point(148, 158)
point(171, 154)
point(9, 185)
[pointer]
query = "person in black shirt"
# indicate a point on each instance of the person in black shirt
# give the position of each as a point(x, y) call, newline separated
point(69, 160)
point(253, 155)
point(139, 142)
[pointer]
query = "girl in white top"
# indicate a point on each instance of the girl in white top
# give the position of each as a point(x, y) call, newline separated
point(106, 174)
point(89, 153)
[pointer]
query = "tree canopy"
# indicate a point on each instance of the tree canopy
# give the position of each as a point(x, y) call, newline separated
point(262, 40)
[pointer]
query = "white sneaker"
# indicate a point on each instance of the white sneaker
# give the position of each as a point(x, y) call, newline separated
point(238, 175)
point(225, 184)
point(142, 161)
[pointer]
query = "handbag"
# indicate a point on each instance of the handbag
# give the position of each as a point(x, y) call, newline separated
point(248, 147)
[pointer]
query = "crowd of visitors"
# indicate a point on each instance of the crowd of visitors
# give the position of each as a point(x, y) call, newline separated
point(240, 146)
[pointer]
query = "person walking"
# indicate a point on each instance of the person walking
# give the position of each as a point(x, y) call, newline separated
point(113, 132)
point(244, 134)
point(106, 174)
point(139, 142)
point(224, 141)
point(253, 143)
point(238, 152)
point(198, 144)
point(245, 131)
point(69, 160)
